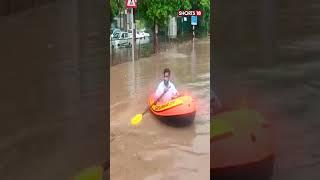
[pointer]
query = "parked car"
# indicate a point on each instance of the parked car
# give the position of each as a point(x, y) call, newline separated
point(143, 41)
point(114, 31)
point(139, 34)
point(130, 33)
point(144, 34)
point(121, 39)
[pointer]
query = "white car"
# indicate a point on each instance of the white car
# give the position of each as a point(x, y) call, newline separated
point(144, 34)
point(142, 41)
point(139, 34)
point(113, 32)
point(130, 33)
point(121, 39)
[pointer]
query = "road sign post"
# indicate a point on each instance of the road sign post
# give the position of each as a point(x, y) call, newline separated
point(132, 4)
point(133, 39)
point(194, 22)
point(193, 31)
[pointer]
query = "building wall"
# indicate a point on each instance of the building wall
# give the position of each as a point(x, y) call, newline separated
point(4, 7)
point(53, 65)
point(8, 7)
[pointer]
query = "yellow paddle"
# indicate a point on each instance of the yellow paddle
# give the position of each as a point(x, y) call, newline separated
point(138, 117)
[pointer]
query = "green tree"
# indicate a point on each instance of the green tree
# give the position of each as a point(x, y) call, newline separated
point(113, 8)
point(116, 7)
point(157, 12)
point(205, 7)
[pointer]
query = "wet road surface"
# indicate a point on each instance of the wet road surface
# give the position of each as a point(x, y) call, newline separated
point(154, 150)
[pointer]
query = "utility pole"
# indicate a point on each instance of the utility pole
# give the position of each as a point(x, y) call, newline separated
point(194, 22)
point(133, 35)
point(132, 4)
point(127, 19)
point(193, 31)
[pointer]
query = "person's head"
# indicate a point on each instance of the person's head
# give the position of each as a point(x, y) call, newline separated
point(166, 76)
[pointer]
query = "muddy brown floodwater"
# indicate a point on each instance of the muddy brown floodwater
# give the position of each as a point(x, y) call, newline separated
point(155, 151)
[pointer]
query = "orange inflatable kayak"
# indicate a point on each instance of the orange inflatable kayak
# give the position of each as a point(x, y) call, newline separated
point(180, 109)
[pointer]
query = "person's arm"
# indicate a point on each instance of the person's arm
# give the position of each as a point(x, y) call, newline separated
point(175, 92)
point(159, 91)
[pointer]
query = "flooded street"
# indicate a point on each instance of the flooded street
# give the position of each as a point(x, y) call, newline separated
point(153, 150)
point(144, 48)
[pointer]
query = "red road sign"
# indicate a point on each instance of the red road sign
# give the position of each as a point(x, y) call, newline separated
point(131, 3)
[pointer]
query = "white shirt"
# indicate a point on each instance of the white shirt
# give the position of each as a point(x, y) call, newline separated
point(172, 91)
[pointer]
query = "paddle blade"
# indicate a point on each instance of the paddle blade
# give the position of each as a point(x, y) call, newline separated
point(136, 119)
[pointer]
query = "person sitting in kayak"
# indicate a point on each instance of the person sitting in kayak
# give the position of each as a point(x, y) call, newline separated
point(166, 86)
